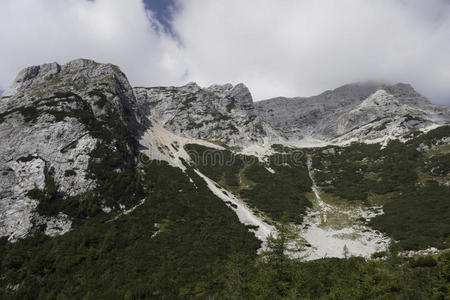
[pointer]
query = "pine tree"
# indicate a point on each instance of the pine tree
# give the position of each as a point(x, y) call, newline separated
point(278, 272)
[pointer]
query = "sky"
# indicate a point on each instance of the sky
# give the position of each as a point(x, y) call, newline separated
point(277, 48)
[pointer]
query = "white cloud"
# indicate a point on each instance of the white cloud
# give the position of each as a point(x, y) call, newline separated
point(115, 31)
point(302, 47)
point(289, 47)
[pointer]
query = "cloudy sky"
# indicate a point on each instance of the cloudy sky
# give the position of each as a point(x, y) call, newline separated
point(277, 48)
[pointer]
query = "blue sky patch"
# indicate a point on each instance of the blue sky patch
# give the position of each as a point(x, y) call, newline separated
point(163, 10)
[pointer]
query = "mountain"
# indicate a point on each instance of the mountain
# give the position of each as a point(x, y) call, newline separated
point(54, 120)
point(222, 113)
point(361, 111)
point(113, 191)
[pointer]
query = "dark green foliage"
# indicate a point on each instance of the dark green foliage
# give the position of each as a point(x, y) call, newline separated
point(26, 158)
point(101, 102)
point(394, 167)
point(105, 259)
point(438, 165)
point(431, 137)
point(187, 102)
point(65, 95)
point(114, 168)
point(442, 288)
point(69, 173)
point(193, 125)
point(218, 116)
point(417, 212)
point(282, 192)
point(50, 201)
point(423, 262)
point(230, 106)
point(184, 243)
point(345, 172)
point(32, 112)
point(275, 276)
point(29, 113)
point(418, 219)
point(216, 164)
point(275, 194)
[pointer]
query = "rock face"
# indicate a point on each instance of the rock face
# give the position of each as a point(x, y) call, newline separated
point(362, 111)
point(222, 113)
point(333, 114)
point(46, 129)
point(59, 123)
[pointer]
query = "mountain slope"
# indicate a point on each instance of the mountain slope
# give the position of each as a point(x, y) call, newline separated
point(339, 115)
point(53, 120)
point(108, 191)
point(220, 113)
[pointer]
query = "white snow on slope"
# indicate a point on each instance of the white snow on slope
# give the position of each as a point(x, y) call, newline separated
point(244, 213)
point(259, 150)
point(161, 144)
point(330, 238)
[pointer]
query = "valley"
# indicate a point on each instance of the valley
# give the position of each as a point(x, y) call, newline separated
point(109, 191)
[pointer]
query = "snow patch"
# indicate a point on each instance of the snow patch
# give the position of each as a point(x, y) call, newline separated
point(348, 238)
point(261, 151)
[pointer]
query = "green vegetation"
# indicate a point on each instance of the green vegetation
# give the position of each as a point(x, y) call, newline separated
point(198, 250)
point(276, 276)
point(114, 169)
point(218, 116)
point(275, 194)
point(182, 242)
point(53, 107)
point(220, 166)
point(282, 192)
point(101, 102)
point(418, 219)
point(29, 113)
point(50, 201)
point(230, 106)
point(343, 174)
point(409, 184)
point(129, 257)
point(26, 158)
point(189, 99)
point(193, 125)
point(116, 69)
point(69, 173)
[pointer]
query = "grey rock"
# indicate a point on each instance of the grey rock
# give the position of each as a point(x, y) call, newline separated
point(42, 133)
point(221, 113)
point(346, 109)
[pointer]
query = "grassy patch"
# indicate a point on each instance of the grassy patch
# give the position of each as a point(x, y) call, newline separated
point(408, 183)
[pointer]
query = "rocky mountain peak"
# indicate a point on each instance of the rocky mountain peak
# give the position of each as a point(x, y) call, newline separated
point(240, 93)
point(92, 81)
point(52, 120)
point(222, 113)
point(407, 94)
point(336, 112)
point(65, 128)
